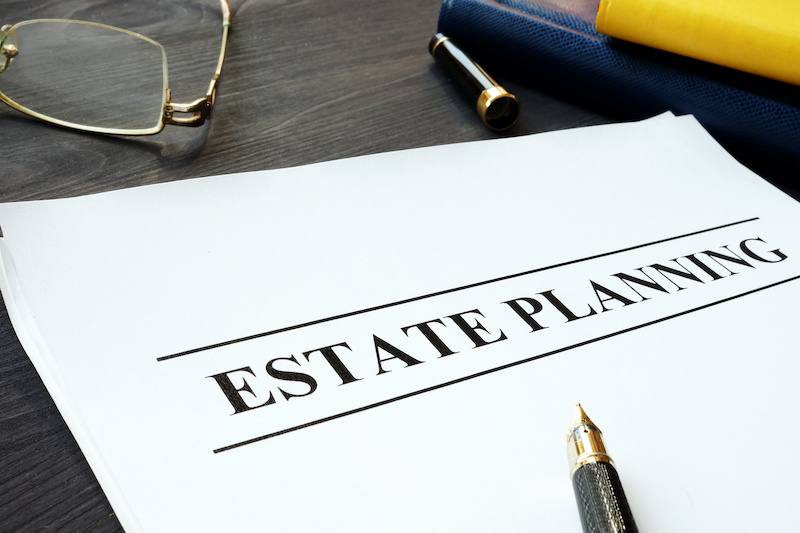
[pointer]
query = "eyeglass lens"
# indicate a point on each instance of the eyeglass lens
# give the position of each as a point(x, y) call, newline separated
point(86, 75)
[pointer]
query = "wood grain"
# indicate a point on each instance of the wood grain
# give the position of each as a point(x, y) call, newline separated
point(304, 81)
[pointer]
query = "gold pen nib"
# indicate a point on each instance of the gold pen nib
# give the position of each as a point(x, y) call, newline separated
point(585, 442)
point(581, 419)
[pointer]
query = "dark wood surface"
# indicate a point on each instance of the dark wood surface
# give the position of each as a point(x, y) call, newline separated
point(304, 81)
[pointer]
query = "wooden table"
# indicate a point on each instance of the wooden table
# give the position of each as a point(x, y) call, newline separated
point(304, 81)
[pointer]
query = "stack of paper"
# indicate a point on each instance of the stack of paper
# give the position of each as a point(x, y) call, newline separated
point(397, 342)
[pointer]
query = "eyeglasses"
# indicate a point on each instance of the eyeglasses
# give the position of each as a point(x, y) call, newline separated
point(94, 77)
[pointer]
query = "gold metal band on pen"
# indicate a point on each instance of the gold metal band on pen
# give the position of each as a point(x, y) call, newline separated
point(436, 41)
point(497, 108)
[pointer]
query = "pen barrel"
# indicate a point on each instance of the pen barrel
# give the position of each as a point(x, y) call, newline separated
point(497, 108)
point(602, 504)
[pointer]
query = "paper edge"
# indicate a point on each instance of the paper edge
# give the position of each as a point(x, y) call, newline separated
point(39, 355)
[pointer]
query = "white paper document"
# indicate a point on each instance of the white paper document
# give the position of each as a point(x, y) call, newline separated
point(396, 342)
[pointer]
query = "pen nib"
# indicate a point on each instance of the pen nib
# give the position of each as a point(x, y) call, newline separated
point(585, 442)
point(581, 419)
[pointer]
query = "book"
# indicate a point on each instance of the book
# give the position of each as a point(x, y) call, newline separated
point(396, 342)
point(762, 39)
point(553, 45)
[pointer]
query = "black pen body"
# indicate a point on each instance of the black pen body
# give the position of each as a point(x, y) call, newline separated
point(602, 504)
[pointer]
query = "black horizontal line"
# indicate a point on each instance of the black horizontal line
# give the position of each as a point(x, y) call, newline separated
point(440, 293)
point(503, 367)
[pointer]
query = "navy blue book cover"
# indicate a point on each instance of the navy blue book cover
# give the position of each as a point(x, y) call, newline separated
point(552, 44)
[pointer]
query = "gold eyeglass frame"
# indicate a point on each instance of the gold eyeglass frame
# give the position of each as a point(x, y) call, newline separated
point(192, 114)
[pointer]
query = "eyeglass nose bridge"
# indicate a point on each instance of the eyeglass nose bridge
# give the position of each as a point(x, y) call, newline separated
point(9, 50)
point(200, 109)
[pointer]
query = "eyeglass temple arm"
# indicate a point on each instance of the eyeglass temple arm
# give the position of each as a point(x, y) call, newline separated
point(200, 109)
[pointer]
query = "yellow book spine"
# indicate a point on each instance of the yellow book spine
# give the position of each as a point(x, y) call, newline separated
point(761, 38)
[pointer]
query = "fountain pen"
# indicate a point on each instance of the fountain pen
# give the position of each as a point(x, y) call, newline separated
point(601, 501)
